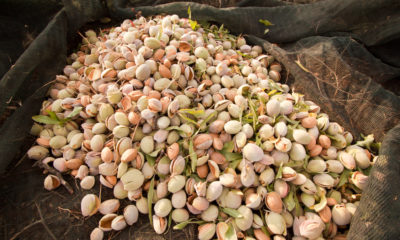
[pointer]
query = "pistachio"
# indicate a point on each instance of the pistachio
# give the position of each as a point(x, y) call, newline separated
point(159, 224)
point(274, 202)
point(118, 223)
point(247, 175)
point(347, 160)
point(89, 205)
point(206, 231)
point(297, 152)
point(147, 144)
point(109, 206)
point(312, 227)
point(266, 131)
point(203, 141)
point(119, 191)
point(132, 179)
point(214, 191)
point(316, 166)
point(301, 136)
point(252, 152)
point(96, 234)
point(359, 179)
point(233, 127)
point(176, 183)
point(180, 215)
point(210, 214)
point(246, 221)
point(275, 223)
point(163, 207)
point(142, 205)
point(87, 182)
point(340, 214)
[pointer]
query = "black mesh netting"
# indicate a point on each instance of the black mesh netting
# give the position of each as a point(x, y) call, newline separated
point(342, 54)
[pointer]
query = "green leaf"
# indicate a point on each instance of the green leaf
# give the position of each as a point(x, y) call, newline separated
point(230, 232)
point(188, 119)
point(231, 157)
point(196, 178)
point(289, 201)
point(154, 153)
point(193, 24)
point(198, 113)
point(180, 130)
point(189, 13)
point(298, 211)
point(234, 164)
point(244, 54)
point(232, 212)
point(279, 173)
point(169, 220)
point(228, 147)
point(344, 177)
point(74, 112)
point(208, 119)
point(265, 22)
point(181, 225)
point(52, 115)
point(192, 155)
point(150, 200)
point(254, 114)
point(293, 122)
point(151, 160)
point(45, 119)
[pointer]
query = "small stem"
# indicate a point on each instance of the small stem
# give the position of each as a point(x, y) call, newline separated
point(57, 173)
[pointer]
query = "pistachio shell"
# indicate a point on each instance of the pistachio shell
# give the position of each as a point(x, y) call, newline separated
point(105, 222)
point(51, 182)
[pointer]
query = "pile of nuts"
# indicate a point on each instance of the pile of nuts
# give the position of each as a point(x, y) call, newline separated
point(183, 120)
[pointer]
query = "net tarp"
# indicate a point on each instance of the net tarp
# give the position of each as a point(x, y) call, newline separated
point(340, 53)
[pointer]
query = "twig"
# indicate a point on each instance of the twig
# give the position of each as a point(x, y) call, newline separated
point(44, 223)
point(55, 172)
point(34, 223)
point(24, 229)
